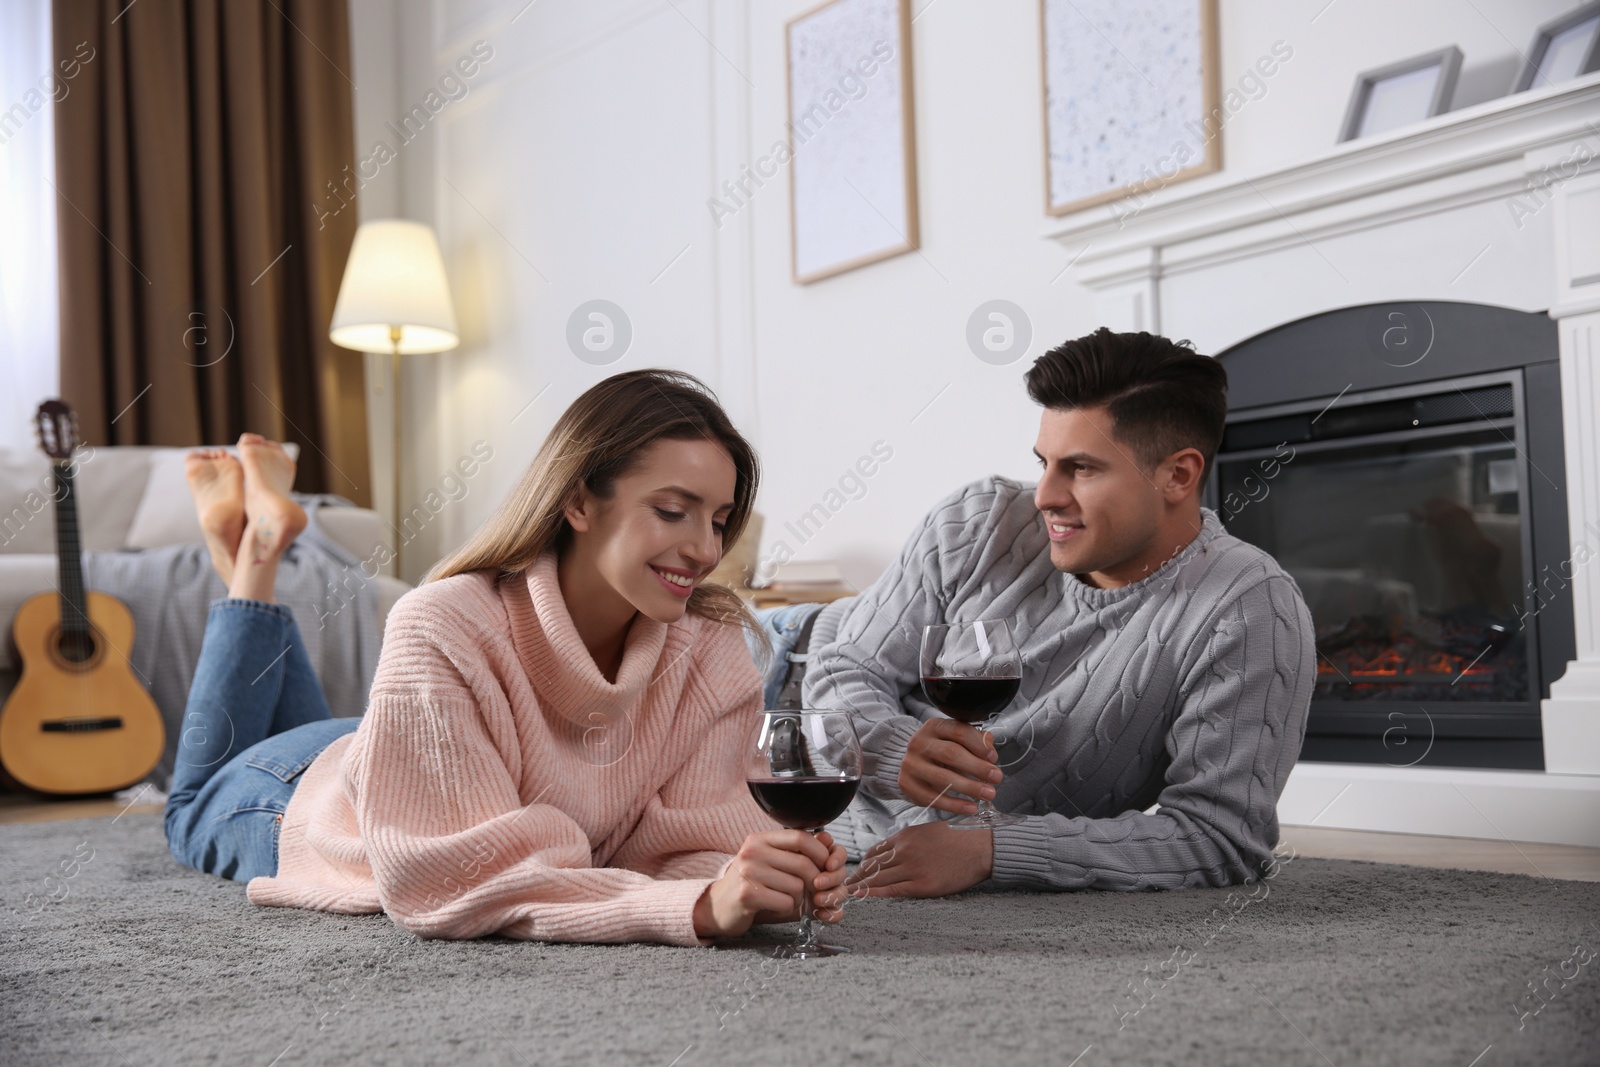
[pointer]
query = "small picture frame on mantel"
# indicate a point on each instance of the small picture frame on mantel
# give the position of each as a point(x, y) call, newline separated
point(1399, 94)
point(1563, 49)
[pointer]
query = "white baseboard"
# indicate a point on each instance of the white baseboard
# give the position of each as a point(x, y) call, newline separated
point(1558, 809)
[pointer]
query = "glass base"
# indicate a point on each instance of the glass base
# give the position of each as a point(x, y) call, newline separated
point(984, 820)
point(808, 952)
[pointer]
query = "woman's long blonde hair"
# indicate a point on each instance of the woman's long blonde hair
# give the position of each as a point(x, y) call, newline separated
point(598, 439)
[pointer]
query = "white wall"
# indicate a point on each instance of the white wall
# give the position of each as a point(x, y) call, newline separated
point(30, 336)
point(579, 163)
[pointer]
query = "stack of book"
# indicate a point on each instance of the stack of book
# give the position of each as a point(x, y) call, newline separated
point(803, 582)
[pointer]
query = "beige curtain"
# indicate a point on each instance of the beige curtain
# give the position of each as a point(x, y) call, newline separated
point(199, 262)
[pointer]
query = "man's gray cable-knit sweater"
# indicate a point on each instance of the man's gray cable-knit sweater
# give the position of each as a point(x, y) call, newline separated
point(1188, 689)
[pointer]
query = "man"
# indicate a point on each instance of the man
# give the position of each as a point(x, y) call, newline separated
point(1164, 661)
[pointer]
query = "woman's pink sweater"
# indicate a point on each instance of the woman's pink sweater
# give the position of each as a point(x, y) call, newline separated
point(499, 784)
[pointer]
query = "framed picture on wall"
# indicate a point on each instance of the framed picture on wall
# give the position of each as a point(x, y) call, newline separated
point(1401, 93)
point(1130, 97)
point(1566, 48)
point(852, 147)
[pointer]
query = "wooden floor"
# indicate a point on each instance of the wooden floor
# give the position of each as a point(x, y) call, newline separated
point(1459, 853)
point(1569, 862)
point(18, 807)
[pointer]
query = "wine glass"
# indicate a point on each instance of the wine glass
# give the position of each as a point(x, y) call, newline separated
point(971, 671)
point(804, 767)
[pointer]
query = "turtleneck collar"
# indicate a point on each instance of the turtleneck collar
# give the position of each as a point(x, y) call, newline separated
point(1210, 528)
point(564, 675)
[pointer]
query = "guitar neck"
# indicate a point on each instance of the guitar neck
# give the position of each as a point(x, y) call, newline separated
point(69, 552)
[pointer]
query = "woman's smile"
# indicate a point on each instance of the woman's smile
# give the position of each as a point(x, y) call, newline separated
point(679, 583)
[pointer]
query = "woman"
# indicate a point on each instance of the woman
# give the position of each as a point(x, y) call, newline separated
point(554, 744)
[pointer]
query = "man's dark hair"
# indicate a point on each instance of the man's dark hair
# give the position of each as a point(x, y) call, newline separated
point(1162, 396)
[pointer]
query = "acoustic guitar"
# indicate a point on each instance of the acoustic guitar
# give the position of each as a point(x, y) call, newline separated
point(79, 721)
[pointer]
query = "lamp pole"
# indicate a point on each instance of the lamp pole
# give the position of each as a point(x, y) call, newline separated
point(394, 297)
point(394, 419)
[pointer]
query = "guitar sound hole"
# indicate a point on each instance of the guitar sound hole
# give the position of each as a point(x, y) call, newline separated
point(81, 725)
point(77, 648)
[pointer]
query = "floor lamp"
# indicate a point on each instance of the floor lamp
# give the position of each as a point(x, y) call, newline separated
point(394, 298)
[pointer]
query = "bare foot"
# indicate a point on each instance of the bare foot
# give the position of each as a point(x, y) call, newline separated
point(273, 519)
point(217, 482)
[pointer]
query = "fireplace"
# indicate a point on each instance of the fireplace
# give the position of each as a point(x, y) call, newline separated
point(1403, 462)
point(1340, 288)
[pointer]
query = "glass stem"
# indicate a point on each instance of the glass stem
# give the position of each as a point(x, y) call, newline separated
point(807, 937)
point(986, 807)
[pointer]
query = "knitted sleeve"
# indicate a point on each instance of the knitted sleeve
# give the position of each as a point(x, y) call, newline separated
point(873, 662)
point(1240, 721)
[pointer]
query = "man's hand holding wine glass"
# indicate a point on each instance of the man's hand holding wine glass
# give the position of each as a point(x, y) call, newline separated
point(970, 671)
point(947, 761)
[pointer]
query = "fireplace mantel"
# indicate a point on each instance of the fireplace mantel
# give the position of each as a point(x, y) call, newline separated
point(1493, 151)
point(1495, 204)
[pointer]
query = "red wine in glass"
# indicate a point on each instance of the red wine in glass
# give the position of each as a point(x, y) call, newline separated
point(803, 770)
point(971, 700)
point(804, 803)
point(971, 671)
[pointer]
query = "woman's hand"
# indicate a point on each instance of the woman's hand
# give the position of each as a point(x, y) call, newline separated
point(766, 881)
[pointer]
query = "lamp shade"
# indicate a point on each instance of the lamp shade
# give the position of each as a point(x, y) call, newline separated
point(394, 278)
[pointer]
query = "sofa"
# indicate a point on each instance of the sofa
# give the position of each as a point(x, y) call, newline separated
point(128, 498)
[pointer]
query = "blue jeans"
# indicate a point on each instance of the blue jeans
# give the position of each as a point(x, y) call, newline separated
point(255, 720)
point(782, 627)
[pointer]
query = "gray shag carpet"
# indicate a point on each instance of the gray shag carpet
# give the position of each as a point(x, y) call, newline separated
point(114, 954)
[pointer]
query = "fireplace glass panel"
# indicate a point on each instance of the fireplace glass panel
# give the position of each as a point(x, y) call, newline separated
point(1409, 554)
